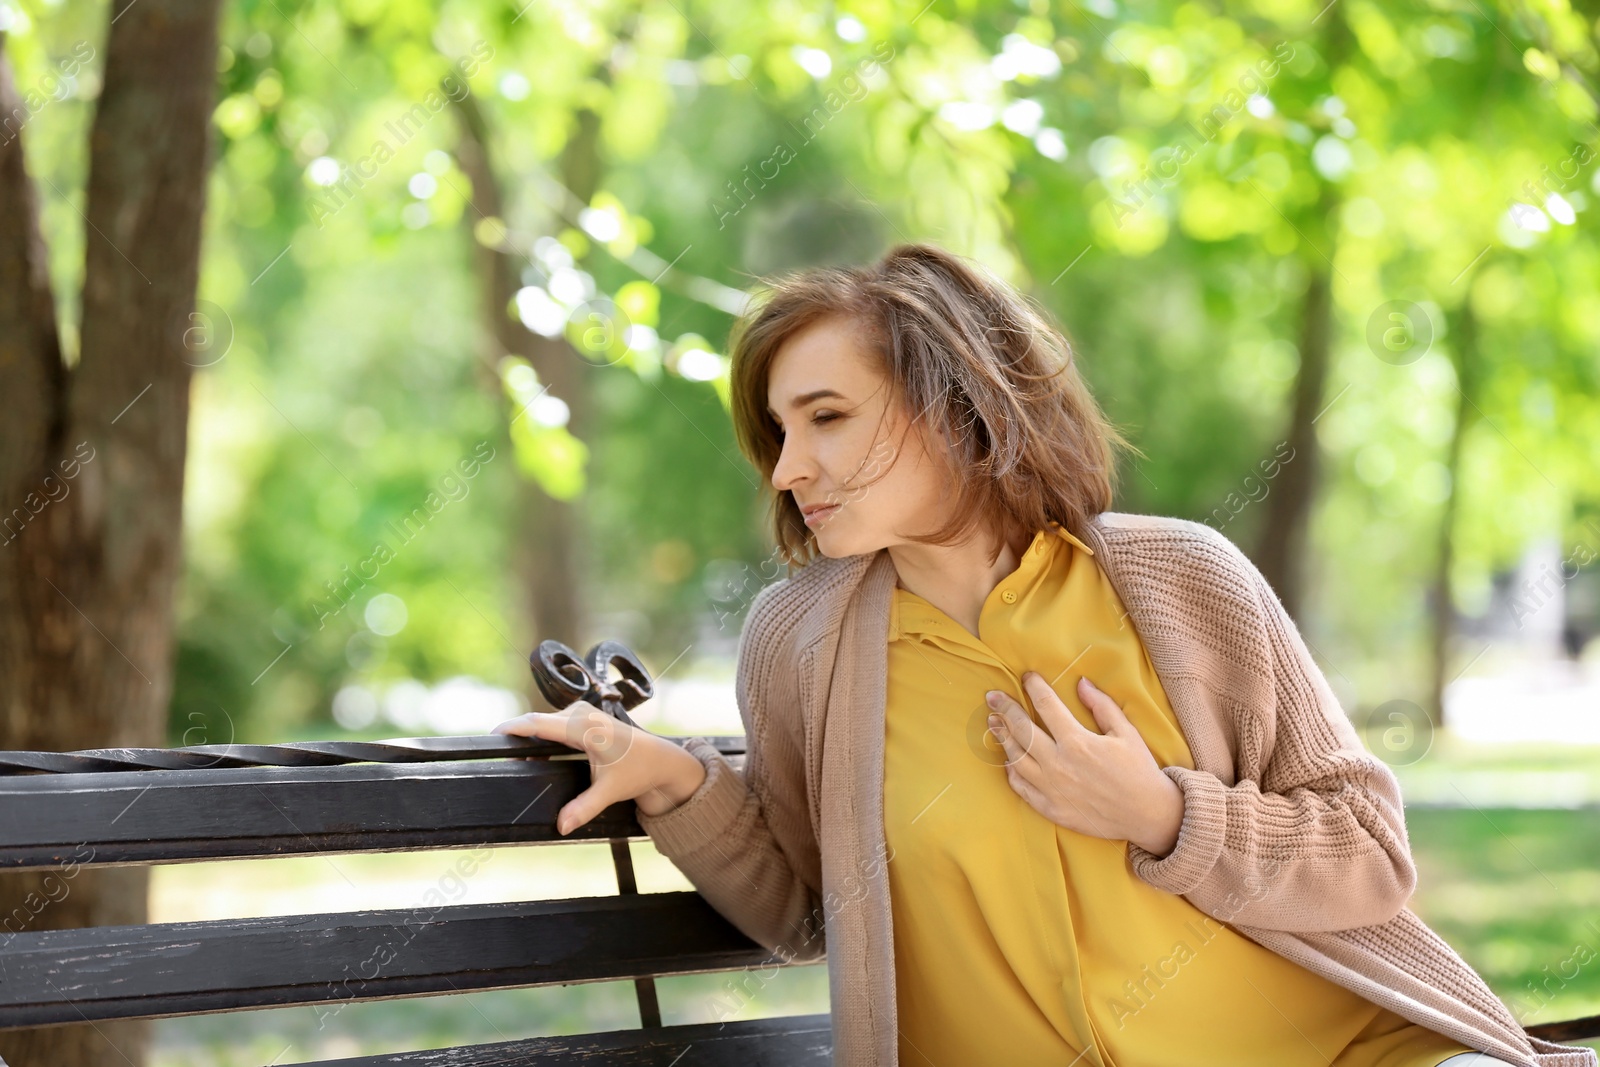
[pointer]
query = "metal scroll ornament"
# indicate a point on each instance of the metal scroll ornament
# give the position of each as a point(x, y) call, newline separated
point(566, 678)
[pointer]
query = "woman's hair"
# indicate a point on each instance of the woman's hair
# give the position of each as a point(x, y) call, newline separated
point(995, 382)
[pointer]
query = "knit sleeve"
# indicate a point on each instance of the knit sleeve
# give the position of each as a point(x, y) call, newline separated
point(734, 836)
point(1312, 835)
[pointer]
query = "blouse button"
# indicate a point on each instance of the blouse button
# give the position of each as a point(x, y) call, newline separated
point(1009, 596)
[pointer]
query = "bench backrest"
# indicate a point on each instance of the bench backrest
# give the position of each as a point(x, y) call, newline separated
point(63, 811)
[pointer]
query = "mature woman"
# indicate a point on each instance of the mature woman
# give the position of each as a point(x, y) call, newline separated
point(1051, 784)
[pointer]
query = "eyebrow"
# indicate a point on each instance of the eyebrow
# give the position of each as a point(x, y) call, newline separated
point(805, 398)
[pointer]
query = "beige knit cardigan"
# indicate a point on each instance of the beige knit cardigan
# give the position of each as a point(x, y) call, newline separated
point(1292, 832)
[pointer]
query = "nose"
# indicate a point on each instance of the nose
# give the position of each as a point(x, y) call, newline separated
point(790, 466)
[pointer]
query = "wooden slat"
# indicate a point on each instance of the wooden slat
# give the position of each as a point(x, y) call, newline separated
point(58, 820)
point(789, 1041)
point(1567, 1029)
point(302, 754)
point(121, 972)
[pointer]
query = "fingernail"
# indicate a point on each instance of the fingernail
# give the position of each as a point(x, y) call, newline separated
point(993, 698)
point(994, 722)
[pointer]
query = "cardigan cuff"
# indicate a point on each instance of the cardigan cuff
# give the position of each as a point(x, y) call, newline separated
point(1200, 835)
point(709, 812)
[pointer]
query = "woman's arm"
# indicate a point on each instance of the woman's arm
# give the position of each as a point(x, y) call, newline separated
point(729, 838)
point(1312, 836)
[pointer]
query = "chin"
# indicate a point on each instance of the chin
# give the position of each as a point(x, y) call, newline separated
point(837, 544)
point(829, 542)
point(826, 545)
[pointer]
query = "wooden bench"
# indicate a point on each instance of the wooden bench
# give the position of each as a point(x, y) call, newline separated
point(208, 802)
point(138, 806)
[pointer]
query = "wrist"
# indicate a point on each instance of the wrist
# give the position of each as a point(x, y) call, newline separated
point(680, 780)
point(1161, 833)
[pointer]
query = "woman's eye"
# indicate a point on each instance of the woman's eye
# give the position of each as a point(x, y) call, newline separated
point(828, 417)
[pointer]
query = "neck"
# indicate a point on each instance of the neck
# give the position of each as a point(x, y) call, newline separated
point(956, 579)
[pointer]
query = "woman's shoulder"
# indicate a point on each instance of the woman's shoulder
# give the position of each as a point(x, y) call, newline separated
point(1166, 547)
point(1192, 583)
point(1158, 530)
point(793, 612)
point(782, 627)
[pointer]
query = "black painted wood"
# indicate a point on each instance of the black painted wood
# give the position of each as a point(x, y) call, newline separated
point(59, 820)
point(300, 754)
point(1567, 1029)
point(117, 972)
point(787, 1041)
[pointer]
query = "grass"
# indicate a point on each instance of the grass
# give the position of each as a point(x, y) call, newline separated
point(1517, 893)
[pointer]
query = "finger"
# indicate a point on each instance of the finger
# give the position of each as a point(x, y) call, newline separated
point(1107, 712)
point(1015, 752)
point(570, 726)
point(1015, 718)
point(1058, 718)
point(1025, 789)
point(1008, 745)
point(527, 724)
point(582, 808)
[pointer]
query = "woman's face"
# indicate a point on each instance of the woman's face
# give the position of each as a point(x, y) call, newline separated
point(842, 429)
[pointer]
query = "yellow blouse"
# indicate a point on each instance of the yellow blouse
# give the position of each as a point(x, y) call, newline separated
point(1021, 942)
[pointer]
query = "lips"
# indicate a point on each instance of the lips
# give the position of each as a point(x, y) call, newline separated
point(814, 513)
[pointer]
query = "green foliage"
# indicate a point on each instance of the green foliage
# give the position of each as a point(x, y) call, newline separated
point(1163, 179)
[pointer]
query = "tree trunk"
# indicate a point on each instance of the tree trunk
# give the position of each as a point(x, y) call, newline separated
point(1280, 553)
point(1464, 346)
point(546, 557)
point(93, 458)
point(1281, 548)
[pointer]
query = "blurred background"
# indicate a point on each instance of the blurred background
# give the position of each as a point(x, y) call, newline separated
point(430, 301)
